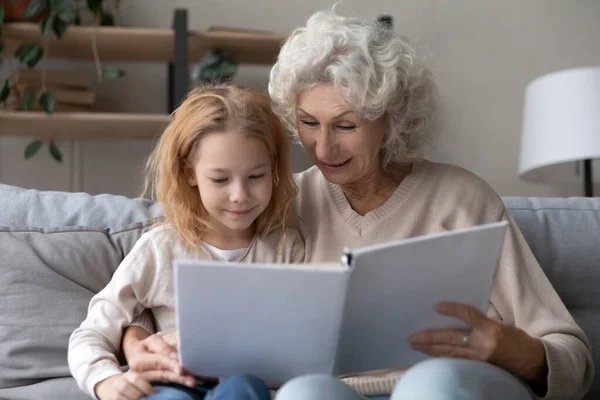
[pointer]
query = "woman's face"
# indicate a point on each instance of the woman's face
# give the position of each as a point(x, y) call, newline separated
point(345, 147)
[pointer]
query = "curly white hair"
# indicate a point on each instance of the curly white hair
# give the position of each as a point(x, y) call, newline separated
point(378, 72)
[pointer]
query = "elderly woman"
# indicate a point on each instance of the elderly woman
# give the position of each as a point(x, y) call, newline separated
point(361, 102)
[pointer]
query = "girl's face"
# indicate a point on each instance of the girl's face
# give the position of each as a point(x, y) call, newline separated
point(233, 176)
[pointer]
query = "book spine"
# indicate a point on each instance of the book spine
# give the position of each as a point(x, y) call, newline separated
point(347, 259)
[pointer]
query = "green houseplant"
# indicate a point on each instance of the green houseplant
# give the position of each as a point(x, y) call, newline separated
point(54, 17)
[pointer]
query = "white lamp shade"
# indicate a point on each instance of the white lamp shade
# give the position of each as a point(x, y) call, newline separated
point(561, 125)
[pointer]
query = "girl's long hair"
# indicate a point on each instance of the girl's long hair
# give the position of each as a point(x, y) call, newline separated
point(208, 109)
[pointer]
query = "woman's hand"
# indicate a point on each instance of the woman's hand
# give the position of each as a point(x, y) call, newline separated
point(489, 340)
point(154, 356)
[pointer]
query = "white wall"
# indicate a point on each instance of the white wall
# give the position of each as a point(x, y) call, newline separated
point(483, 53)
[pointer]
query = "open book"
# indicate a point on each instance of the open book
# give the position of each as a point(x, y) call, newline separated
point(279, 321)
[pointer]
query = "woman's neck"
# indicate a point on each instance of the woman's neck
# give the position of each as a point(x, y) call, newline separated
point(373, 190)
point(229, 239)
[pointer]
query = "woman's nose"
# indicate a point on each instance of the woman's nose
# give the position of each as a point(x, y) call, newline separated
point(325, 146)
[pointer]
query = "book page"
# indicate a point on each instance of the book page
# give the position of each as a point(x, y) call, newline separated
point(276, 322)
point(395, 287)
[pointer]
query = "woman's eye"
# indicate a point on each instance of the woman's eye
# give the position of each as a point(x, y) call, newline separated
point(311, 124)
point(219, 180)
point(256, 176)
point(346, 127)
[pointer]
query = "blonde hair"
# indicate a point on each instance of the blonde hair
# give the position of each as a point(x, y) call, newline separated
point(209, 109)
point(378, 72)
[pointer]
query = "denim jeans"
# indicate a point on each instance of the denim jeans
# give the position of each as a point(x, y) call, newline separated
point(241, 387)
point(434, 379)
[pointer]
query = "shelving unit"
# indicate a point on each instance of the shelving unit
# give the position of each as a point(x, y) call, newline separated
point(147, 44)
point(177, 47)
point(82, 125)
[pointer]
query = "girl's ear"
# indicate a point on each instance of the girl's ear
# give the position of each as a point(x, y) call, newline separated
point(190, 176)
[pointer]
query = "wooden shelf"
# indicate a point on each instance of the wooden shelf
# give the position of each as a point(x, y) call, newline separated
point(147, 44)
point(82, 125)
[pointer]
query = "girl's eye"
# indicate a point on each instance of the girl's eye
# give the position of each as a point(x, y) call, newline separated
point(219, 180)
point(256, 176)
point(346, 127)
point(311, 124)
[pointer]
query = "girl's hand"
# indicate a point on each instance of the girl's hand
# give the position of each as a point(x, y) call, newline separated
point(489, 340)
point(127, 386)
point(154, 356)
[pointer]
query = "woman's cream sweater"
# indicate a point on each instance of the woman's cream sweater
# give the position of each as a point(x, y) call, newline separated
point(437, 197)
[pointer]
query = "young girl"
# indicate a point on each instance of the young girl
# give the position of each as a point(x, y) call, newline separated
point(221, 173)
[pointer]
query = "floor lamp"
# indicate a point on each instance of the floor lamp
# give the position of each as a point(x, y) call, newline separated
point(561, 128)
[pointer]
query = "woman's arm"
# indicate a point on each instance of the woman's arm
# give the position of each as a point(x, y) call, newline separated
point(534, 335)
point(154, 354)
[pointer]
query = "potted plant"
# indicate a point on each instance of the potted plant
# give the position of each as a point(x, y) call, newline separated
point(54, 17)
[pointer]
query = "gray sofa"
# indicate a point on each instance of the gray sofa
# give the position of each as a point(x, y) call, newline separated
point(58, 249)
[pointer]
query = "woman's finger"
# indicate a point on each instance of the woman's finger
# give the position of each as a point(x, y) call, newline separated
point(170, 338)
point(143, 362)
point(157, 344)
point(469, 314)
point(167, 376)
point(440, 336)
point(448, 351)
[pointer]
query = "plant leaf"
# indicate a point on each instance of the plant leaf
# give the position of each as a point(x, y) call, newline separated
point(46, 25)
point(55, 151)
point(35, 7)
point(95, 6)
point(29, 54)
point(1, 14)
point(32, 148)
point(60, 27)
point(52, 4)
point(65, 12)
point(28, 99)
point(110, 72)
point(4, 91)
point(48, 102)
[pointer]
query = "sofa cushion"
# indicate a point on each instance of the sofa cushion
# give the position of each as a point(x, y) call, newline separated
point(564, 235)
point(50, 389)
point(47, 209)
point(48, 277)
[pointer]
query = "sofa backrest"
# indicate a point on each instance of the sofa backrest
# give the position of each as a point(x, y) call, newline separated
point(46, 209)
point(56, 251)
point(564, 235)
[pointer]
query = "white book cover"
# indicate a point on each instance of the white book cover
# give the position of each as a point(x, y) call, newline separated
point(279, 321)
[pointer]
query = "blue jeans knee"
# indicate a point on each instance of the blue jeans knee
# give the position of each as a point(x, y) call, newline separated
point(457, 379)
point(240, 387)
point(317, 387)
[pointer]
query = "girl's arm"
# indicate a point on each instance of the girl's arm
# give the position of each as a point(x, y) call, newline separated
point(93, 347)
